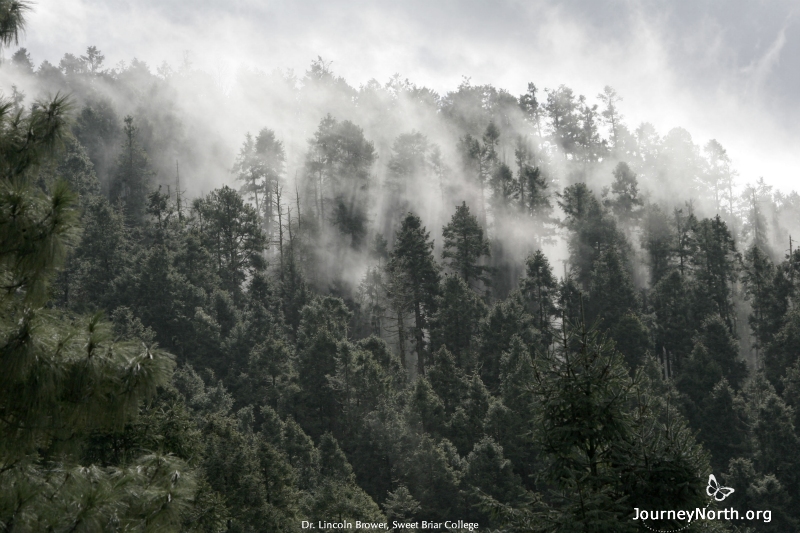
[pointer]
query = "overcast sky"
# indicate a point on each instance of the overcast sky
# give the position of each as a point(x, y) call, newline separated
point(724, 69)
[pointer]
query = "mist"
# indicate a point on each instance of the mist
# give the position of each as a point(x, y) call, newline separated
point(200, 81)
point(509, 265)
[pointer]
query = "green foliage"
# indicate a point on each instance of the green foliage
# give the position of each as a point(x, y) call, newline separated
point(456, 324)
point(539, 289)
point(592, 231)
point(62, 377)
point(465, 245)
point(230, 230)
point(781, 353)
point(417, 276)
point(295, 398)
point(714, 264)
point(132, 180)
point(505, 320)
point(590, 414)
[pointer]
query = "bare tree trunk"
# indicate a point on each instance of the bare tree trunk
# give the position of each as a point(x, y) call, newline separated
point(401, 338)
point(280, 227)
point(418, 334)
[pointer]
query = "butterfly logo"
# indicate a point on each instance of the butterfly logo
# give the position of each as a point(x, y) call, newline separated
point(716, 490)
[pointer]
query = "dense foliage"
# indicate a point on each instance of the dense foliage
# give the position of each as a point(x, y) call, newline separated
point(370, 327)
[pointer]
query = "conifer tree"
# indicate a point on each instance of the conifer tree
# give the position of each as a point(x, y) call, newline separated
point(714, 266)
point(767, 289)
point(259, 166)
point(781, 354)
point(231, 231)
point(539, 289)
point(724, 426)
point(506, 319)
point(585, 423)
point(133, 177)
point(418, 278)
point(592, 231)
point(456, 323)
point(626, 202)
point(63, 377)
point(658, 239)
point(465, 245)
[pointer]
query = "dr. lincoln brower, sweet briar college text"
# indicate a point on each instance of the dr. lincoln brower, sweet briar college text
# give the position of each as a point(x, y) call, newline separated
point(420, 524)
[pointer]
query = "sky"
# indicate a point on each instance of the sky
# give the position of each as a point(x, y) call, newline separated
point(722, 69)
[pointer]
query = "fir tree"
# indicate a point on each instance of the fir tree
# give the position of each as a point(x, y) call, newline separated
point(418, 275)
point(465, 245)
point(133, 177)
point(539, 288)
point(456, 324)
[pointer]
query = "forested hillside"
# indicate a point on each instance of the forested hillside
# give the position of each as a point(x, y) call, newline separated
point(237, 304)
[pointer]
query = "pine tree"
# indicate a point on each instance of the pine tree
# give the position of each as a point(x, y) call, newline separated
point(489, 472)
point(337, 167)
point(260, 166)
point(671, 301)
point(714, 266)
point(724, 426)
point(585, 425)
point(506, 319)
point(63, 377)
point(539, 289)
point(781, 353)
point(465, 245)
point(611, 114)
point(563, 111)
point(592, 231)
point(132, 180)
point(626, 202)
point(230, 229)
point(658, 239)
point(456, 324)
point(418, 278)
point(410, 162)
point(757, 277)
point(12, 21)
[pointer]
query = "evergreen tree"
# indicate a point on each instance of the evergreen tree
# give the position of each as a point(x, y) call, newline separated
point(63, 377)
point(418, 275)
point(409, 163)
point(489, 472)
point(757, 277)
point(539, 289)
point(337, 167)
point(504, 189)
point(534, 199)
point(671, 301)
point(506, 319)
point(12, 21)
point(781, 354)
point(611, 114)
point(658, 239)
point(132, 180)
point(260, 166)
point(592, 231)
point(465, 245)
point(725, 427)
point(714, 265)
point(230, 229)
point(563, 111)
point(584, 422)
point(456, 323)
point(625, 203)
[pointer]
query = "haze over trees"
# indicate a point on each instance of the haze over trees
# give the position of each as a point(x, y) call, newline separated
point(378, 303)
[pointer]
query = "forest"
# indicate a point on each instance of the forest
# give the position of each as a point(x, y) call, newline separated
point(237, 304)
